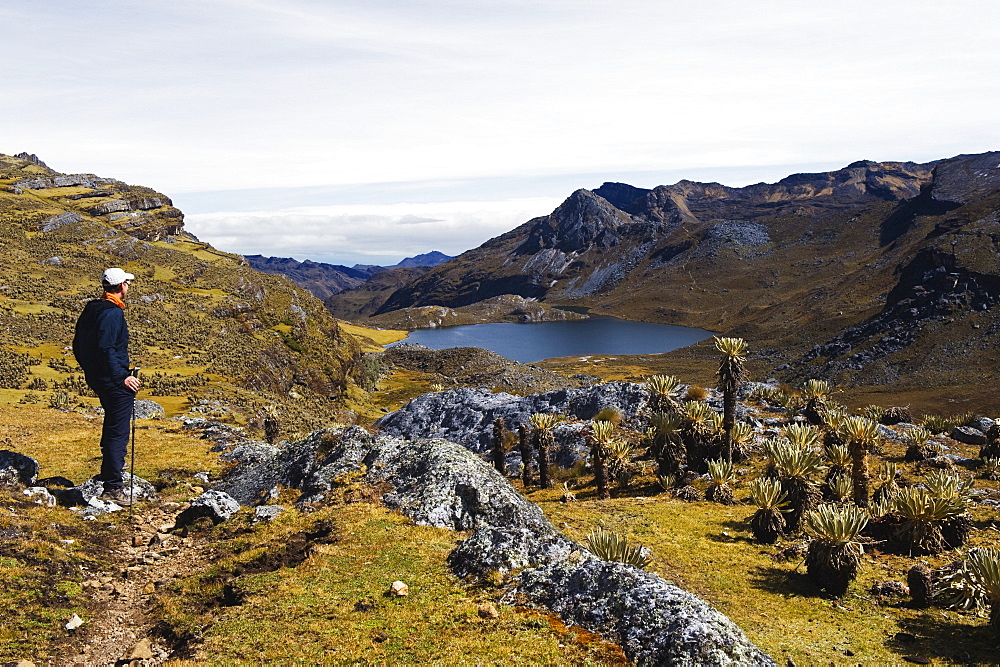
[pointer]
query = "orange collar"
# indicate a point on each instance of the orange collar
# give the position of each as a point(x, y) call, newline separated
point(113, 298)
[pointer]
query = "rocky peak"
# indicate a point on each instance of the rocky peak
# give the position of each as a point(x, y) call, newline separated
point(140, 212)
point(583, 220)
point(32, 158)
point(965, 178)
point(621, 195)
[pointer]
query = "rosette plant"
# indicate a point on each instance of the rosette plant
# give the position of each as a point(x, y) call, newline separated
point(601, 433)
point(834, 555)
point(664, 390)
point(861, 435)
point(543, 423)
point(721, 475)
point(732, 375)
point(768, 522)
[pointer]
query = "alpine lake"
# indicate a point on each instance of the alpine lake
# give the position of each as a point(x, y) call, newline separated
point(530, 343)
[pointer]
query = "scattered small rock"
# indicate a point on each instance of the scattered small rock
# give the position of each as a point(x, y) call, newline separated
point(488, 610)
point(399, 589)
point(890, 589)
point(74, 622)
point(216, 505)
point(41, 496)
point(267, 513)
point(143, 650)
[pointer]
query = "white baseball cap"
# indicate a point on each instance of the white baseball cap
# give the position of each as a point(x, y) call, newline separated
point(115, 276)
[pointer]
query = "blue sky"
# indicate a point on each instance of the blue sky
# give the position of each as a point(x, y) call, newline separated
point(369, 131)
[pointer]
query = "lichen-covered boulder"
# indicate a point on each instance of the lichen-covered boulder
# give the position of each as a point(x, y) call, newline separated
point(17, 469)
point(259, 467)
point(501, 550)
point(466, 415)
point(968, 435)
point(215, 505)
point(146, 409)
point(440, 483)
point(655, 623)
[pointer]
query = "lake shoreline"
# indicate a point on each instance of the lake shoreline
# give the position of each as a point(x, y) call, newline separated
point(595, 335)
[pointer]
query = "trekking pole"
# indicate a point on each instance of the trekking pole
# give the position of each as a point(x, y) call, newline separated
point(131, 478)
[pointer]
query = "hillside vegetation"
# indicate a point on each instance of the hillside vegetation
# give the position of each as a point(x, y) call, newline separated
point(209, 331)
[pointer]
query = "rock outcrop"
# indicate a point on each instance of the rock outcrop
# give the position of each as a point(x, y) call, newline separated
point(475, 367)
point(439, 483)
point(465, 416)
point(17, 469)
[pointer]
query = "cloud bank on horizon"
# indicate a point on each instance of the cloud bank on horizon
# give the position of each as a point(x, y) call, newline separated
point(365, 233)
point(212, 101)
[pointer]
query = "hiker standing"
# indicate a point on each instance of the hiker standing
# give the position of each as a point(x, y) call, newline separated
point(100, 346)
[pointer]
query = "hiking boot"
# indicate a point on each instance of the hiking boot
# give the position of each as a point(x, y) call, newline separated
point(117, 496)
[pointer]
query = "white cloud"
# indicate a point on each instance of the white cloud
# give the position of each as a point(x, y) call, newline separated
point(227, 94)
point(365, 234)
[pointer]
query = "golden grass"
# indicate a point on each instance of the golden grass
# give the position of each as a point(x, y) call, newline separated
point(68, 443)
point(333, 607)
point(377, 337)
point(55, 193)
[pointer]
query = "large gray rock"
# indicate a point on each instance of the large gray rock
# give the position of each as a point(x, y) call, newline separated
point(17, 469)
point(983, 424)
point(261, 467)
point(968, 435)
point(653, 621)
point(146, 409)
point(215, 505)
point(466, 415)
point(439, 483)
point(501, 550)
point(61, 220)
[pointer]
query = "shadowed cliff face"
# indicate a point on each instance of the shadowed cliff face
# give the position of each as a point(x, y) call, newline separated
point(582, 221)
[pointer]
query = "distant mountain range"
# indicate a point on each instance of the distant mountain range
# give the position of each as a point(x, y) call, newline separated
point(325, 280)
point(873, 274)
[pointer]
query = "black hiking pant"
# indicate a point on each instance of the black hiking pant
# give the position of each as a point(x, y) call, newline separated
point(117, 403)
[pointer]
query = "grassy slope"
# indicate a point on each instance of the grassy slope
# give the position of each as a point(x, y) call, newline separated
point(335, 606)
point(205, 326)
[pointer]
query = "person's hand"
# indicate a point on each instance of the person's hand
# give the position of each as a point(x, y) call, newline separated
point(133, 383)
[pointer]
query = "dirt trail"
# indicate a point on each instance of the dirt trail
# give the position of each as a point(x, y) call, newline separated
point(122, 631)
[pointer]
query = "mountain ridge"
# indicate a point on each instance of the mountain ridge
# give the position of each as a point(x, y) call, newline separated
point(325, 280)
point(790, 265)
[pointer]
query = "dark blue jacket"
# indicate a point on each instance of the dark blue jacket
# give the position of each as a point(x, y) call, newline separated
point(101, 345)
